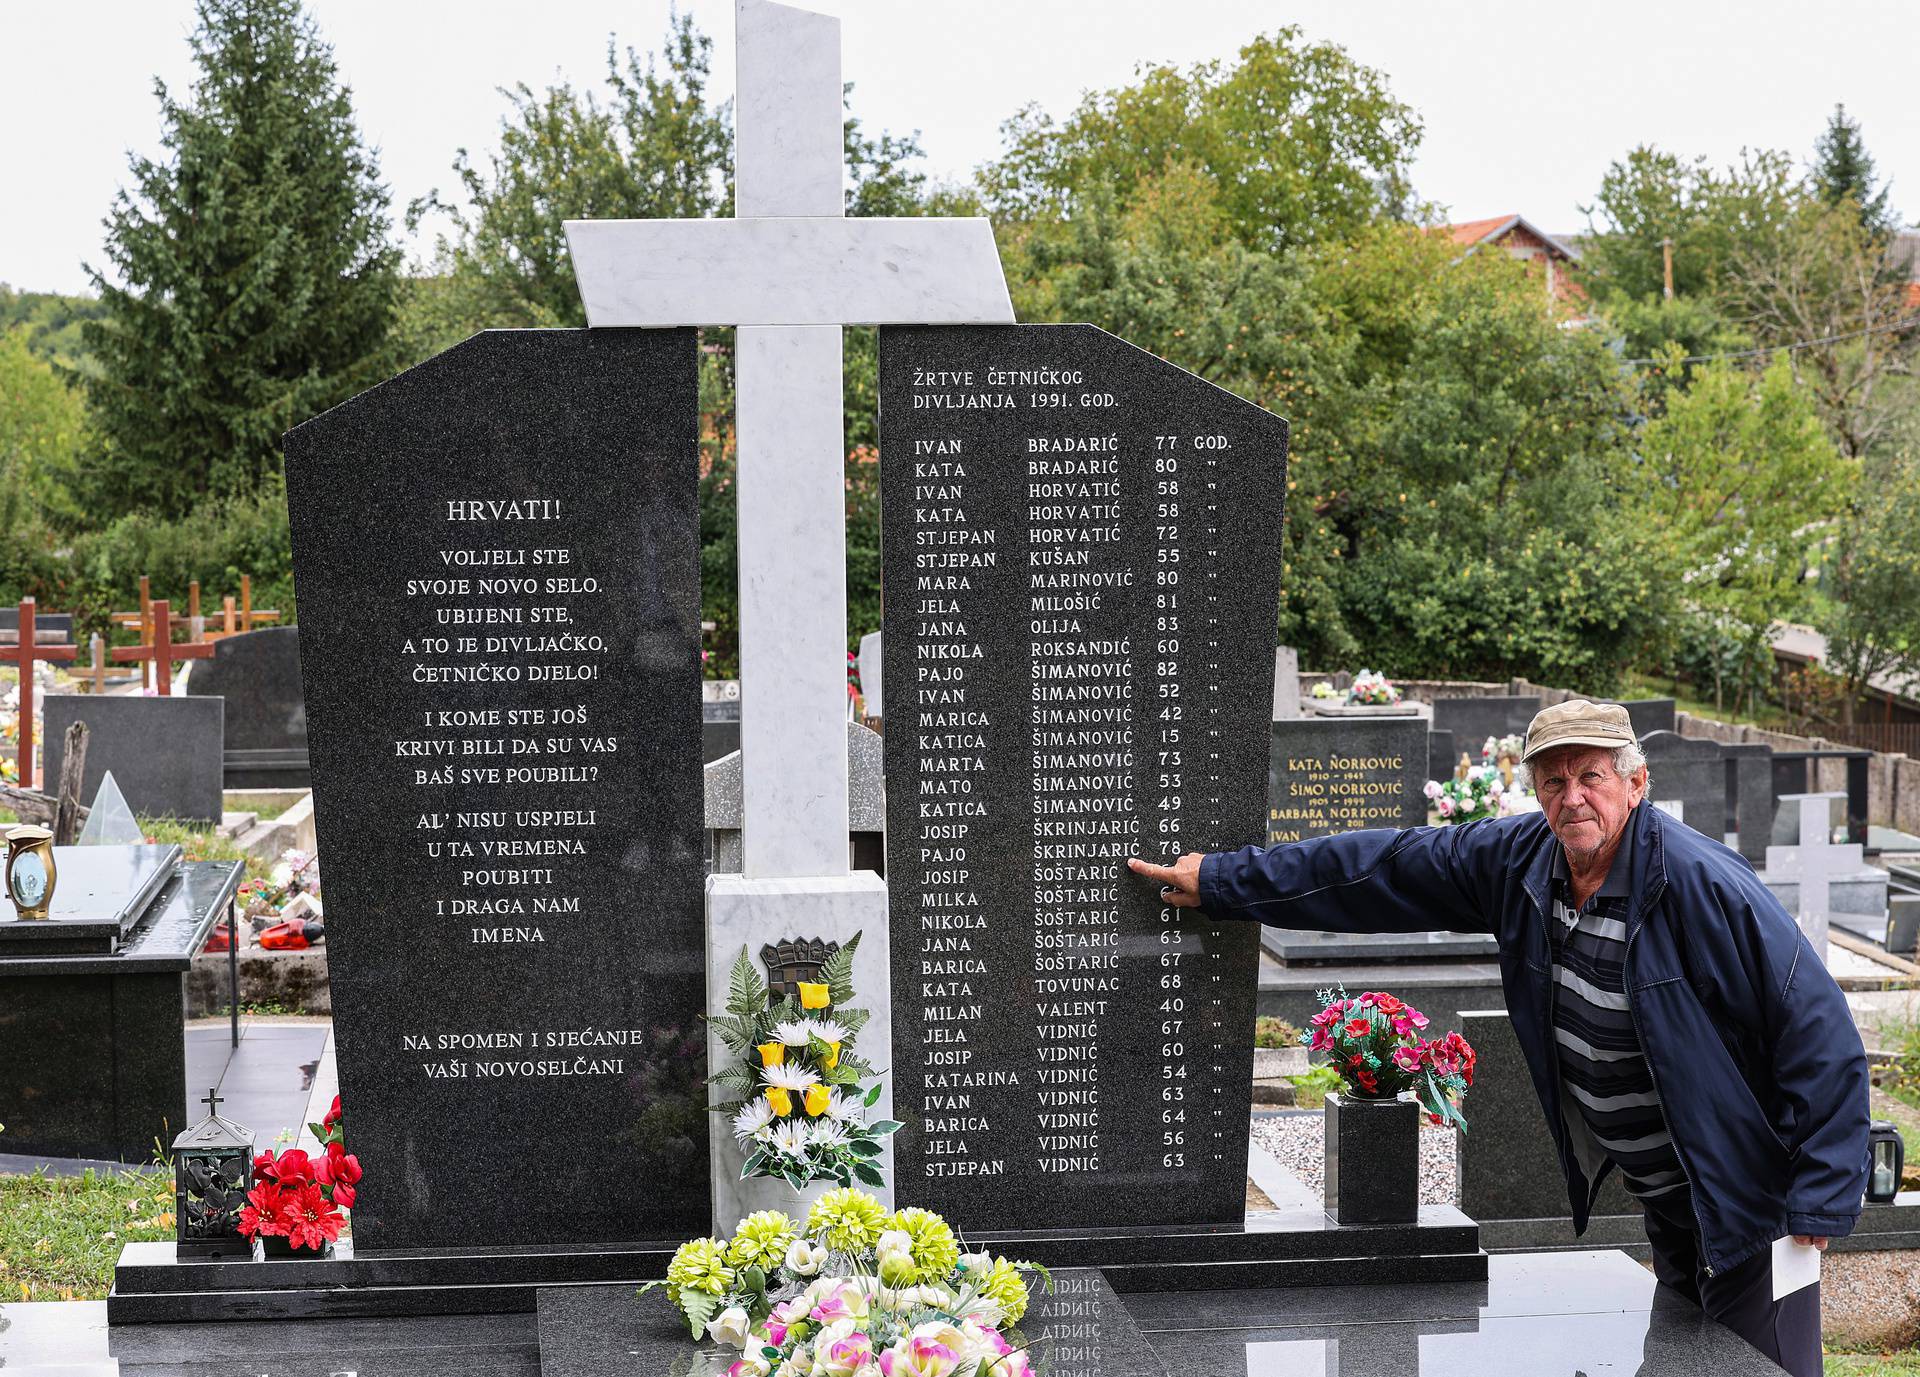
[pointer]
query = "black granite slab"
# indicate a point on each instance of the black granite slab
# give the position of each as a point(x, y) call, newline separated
point(1750, 791)
point(1443, 756)
point(1298, 947)
point(93, 1059)
point(1688, 778)
point(1272, 1249)
point(498, 560)
point(1081, 1328)
point(258, 674)
point(1473, 720)
point(164, 752)
point(1651, 714)
point(1081, 554)
point(1328, 775)
point(99, 892)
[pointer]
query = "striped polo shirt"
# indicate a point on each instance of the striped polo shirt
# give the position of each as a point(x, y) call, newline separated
point(1608, 1096)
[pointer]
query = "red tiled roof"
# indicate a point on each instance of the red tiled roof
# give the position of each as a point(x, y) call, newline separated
point(1473, 231)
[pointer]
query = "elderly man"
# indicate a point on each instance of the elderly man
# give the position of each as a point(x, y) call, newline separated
point(1676, 1024)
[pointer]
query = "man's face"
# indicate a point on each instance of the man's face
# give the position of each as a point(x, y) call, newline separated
point(1586, 802)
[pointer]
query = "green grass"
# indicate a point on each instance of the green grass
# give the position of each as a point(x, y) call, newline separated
point(1905, 1364)
point(266, 805)
point(1639, 685)
point(61, 1235)
point(202, 844)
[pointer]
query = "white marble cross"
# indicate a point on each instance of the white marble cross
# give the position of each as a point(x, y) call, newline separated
point(1814, 863)
point(790, 271)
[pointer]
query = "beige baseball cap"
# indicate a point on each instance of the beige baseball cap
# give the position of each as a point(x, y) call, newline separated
point(1578, 722)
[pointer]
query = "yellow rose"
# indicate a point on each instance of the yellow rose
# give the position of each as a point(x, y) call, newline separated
point(812, 996)
point(832, 1058)
point(780, 1098)
point(772, 1053)
point(818, 1098)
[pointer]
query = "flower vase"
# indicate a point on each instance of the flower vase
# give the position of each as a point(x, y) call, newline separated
point(734, 1200)
point(277, 1248)
point(1373, 1160)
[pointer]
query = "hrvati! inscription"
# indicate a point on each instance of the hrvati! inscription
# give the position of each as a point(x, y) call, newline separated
point(1081, 547)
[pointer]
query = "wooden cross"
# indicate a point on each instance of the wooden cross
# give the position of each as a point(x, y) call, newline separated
point(248, 616)
point(141, 619)
point(163, 652)
point(23, 654)
point(97, 651)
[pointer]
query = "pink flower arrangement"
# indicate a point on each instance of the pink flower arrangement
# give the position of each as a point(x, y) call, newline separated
point(1376, 1043)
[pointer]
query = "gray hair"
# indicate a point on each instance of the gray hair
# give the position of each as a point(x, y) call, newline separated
point(1626, 759)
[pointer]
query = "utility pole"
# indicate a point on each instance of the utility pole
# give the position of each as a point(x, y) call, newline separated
point(1666, 252)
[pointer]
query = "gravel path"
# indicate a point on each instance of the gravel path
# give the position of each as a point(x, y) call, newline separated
point(1298, 1142)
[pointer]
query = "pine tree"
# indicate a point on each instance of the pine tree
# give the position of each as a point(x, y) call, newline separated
point(1843, 170)
point(253, 274)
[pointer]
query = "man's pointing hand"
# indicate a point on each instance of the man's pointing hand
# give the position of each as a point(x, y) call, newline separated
point(1179, 883)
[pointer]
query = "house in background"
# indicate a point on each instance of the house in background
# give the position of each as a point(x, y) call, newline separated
point(1515, 236)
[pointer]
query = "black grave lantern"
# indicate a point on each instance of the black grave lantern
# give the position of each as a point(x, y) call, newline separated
point(212, 1173)
point(1886, 1159)
point(794, 960)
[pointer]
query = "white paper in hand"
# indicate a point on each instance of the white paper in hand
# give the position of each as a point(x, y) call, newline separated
point(1794, 1265)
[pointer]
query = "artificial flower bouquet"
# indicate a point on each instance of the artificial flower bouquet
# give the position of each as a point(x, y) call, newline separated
point(299, 1197)
point(1479, 793)
point(855, 1292)
point(1372, 690)
point(1375, 1042)
point(802, 1111)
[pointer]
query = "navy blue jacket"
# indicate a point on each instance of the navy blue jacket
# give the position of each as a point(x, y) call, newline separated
point(1757, 1062)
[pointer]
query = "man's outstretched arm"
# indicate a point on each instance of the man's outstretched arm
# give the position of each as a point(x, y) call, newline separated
point(1372, 881)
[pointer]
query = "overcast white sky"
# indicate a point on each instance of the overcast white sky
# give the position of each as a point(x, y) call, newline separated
point(1523, 107)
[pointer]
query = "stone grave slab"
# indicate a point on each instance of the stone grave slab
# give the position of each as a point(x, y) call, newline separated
point(1651, 715)
point(258, 674)
point(1443, 755)
point(1750, 787)
point(1688, 780)
point(1473, 720)
point(1073, 679)
point(497, 554)
point(719, 719)
point(872, 674)
point(1286, 683)
point(99, 892)
point(1328, 775)
point(164, 753)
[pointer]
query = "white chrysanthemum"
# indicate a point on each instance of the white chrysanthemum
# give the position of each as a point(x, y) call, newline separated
point(791, 1138)
point(827, 1134)
point(789, 1077)
point(846, 1108)
point(796, 1032)
point(755, 1115)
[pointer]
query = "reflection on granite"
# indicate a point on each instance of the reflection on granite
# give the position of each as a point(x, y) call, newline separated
point(1537, 1315)
point(1081, 1329)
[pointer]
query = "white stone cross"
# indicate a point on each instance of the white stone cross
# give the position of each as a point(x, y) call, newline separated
point(1814, 863)
point(790, 271)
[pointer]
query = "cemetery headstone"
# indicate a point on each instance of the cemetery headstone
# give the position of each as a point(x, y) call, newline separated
point(258, 674)
point(872, 673)
point(719, 719)
point(1079, 669)
point(498, 561)
point(1328, 775)
point(1473, 720)
point(1286, 683)
point(1688, 780)
point(1442, 755)
point(1812, 866)
point(163, 752)
point(1750, 792)
point(1651, 715)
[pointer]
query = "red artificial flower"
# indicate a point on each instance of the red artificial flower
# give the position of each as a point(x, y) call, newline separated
point(333, 1114)
point(1368, 1081)
point(343, 1195)
point(263, 1167)
point(293, 1167)
point(337, 1168)
point(310, 1218)
point(1359, 1028)
point(262, 1213)
point(1386, 1004)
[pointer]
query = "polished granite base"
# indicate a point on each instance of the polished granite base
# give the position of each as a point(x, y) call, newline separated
point(1535, 1315)
point(1276, 1248)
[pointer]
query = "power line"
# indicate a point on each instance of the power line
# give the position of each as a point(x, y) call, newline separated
point(1903, 321)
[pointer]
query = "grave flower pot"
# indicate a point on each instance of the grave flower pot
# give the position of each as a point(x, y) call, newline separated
point(277, 1248)
point(1373, 1159)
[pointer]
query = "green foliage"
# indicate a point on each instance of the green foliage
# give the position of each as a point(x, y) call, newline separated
point(1312, 1086)
point(1274, 1032)
point(1741, 479)
point(1872, 612)
point(1304, 144)
point(1650, 196)
point(252, 279)
point(653, 149)
point(1843, 174)
point(53, 324)
point(43, 429)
